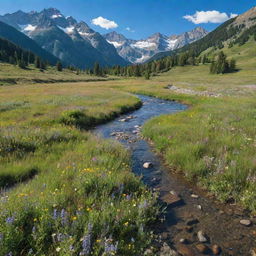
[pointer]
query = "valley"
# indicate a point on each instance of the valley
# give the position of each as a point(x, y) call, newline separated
point(99, 156)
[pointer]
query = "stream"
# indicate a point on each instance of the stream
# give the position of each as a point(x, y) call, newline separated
point(189, 209)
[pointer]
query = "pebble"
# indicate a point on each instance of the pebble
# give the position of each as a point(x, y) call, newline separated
point(194, 196)
point(183, 241)
point(246, 223)
point(201, 236)
point(202, 248)
point(123, 120)
point(167, 251)
point(185, 250)
point(253, 252)
point(199, 207)
point(216, 249)
point(171, 198)
point(147, 165)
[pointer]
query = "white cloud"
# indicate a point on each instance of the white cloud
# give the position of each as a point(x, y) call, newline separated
point(209, 17)
point(104, 23)
point(129, 29)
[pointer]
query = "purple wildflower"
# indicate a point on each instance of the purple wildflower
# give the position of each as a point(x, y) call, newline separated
point(86, 245)
point(63, 216)
point(110, 247)
point(9, 220)
point(55, 214)
point(128, 197)
point(94, 159)
point(9, 254)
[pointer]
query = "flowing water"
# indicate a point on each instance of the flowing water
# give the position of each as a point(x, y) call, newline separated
point(189, 209)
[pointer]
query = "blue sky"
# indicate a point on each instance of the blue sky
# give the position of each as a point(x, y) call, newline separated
point(142, 17)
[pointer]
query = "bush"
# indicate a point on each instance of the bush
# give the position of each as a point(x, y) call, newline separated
point(77, 118)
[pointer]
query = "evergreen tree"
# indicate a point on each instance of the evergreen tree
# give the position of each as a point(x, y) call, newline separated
point(147, 75)
point(232, 66)
point(59, 66)
point(96, 69)
point(37, 62)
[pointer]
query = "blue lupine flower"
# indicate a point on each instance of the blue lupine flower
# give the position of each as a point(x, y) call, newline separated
point(63, 216)
point(86, 244)
point(9, 220)
point(55, 214)
point(110, 248)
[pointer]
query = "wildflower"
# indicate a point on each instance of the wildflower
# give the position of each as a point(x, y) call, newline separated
point(58, 249)
point(55, 214)
point(10, 254)
point(71, 248)
point(110, 248)
point(10, 220)
point(126, 223)
point(86, 244)
point(74, 218)
point(63, 216)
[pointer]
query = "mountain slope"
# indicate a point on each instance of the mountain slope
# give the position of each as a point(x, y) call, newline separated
point(230, 32)
point(138, 51)
point(74, 43)
point(18, 38)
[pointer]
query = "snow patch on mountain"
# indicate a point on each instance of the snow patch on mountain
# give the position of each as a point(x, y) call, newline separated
point(116, 44)
point(143, 45)
point(171, 43)
point(55, 16)
point(27, 28)
point(67, 30)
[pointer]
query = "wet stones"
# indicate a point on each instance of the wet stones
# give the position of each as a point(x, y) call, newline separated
point(171, 198)
point(167, 251)
point(253, 252)
point(201, 237)
point(246, 223)
point(202, 248)
point(216, 250)
point(186, 250)
point(147, 165)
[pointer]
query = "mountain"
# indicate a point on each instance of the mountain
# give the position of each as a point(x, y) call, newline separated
point(72, 42)
point(234, 31)
point(138, 51)
point(18, 38)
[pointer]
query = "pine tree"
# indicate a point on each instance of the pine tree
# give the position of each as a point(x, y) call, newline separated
point(96, 69)
point(59, 66)
point(147, 75)
point(37, 62)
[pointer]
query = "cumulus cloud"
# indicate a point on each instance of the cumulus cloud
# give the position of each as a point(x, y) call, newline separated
point(129, 29)
point(104, 23)
point(209, 17)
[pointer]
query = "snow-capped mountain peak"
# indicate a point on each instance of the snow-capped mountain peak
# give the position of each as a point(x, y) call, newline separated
point(138, 51)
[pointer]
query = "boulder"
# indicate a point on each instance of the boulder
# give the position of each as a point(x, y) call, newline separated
point(147, 165)
point(201, 237)
point(246, 223)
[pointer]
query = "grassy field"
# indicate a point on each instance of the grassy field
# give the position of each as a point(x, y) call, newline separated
point(83, 197)
point(74, 193)
point(11, 75)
